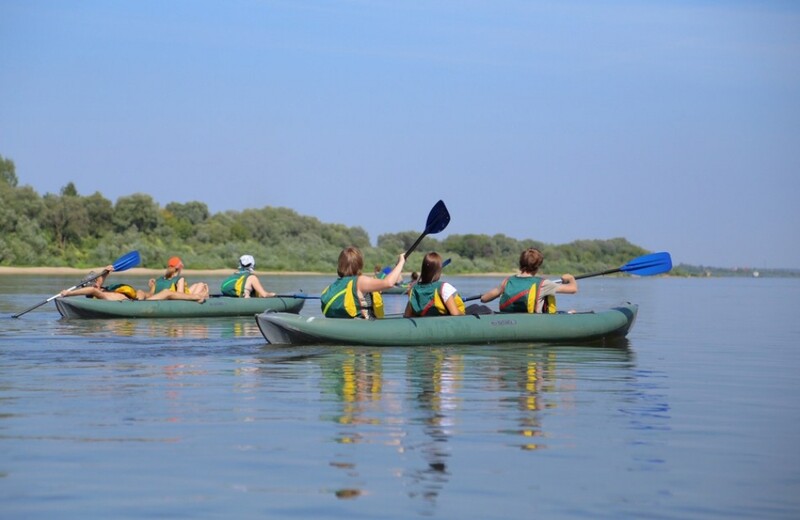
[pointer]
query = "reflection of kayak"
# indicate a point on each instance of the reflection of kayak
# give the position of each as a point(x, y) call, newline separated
point(283, 328)
point(397, 289)
point(76, 307)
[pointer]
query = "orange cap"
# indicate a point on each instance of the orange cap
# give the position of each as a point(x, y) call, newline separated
point(175, 262)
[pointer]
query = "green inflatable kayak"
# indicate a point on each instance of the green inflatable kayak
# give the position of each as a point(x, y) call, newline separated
point(77, 307)
point(281, 328)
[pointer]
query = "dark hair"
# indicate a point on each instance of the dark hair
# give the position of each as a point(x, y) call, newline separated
point(530, 260)
point(431, 268)
point(351, 262)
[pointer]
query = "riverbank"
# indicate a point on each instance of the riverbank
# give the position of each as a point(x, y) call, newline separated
point(53, 271)
point(142, 271)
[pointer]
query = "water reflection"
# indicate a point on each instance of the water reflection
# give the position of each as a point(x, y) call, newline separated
point(417, 400)
point(239, 327)
point(435, 378)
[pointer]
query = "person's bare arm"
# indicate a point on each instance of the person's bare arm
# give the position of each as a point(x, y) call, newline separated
point(494, 293)
point(255, 285)
point(568, 284)
point(367, 284)
point(451, 306)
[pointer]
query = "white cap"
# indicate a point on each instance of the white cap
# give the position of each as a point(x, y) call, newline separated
point(247, 262)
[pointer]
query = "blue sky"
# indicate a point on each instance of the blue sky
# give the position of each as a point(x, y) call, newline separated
point(674, 124)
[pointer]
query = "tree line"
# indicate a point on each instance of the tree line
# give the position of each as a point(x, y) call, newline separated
point(70, 229)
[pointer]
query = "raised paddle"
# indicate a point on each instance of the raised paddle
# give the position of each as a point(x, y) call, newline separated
point(647, 265)
point(123, 263)
point(438, 219)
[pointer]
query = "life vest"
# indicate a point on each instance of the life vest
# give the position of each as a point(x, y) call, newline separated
point(169, 283)
point(426, 300)
point(122, 288)
point(340, 300)
point(521, 293)
point(234, 284)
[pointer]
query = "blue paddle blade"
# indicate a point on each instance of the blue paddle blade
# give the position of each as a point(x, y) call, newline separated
point(127, 261)
point(647, 265)
point(438, 219)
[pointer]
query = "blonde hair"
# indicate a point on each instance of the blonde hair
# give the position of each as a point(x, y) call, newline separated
point(351, 262)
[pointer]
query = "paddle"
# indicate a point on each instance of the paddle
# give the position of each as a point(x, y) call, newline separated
point(303, 296)
point(123, 263)
point(647, 265)
point(438, 219)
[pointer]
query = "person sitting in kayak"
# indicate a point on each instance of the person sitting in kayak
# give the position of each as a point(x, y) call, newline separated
point(119, 292)
point(173, 280)
point(431, 296)
point(354, 295)
point(526, 292)
point(244, 283)
point(123, 291)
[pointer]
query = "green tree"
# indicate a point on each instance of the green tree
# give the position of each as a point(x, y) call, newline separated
point(69, 190)
point(193, 212)
point(138, 211)
point(100, 212)
point(470, 246)
point(17, 205)
point(65, 216)
point(8, 173)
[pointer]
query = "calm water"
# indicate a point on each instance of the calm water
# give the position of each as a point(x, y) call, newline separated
point(697, 417)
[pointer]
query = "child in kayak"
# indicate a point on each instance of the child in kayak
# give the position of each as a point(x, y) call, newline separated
point(526, 292)
point(431, 296)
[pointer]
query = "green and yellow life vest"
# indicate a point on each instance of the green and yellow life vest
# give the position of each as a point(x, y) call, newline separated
point(169, 283)
point(340, 300)
point(521, 294)
point(235, 283)
point(426, 300)
point(122, 288)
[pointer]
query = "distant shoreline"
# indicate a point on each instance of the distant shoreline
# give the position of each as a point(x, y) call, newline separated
point(52, 271)
point(142, 271)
